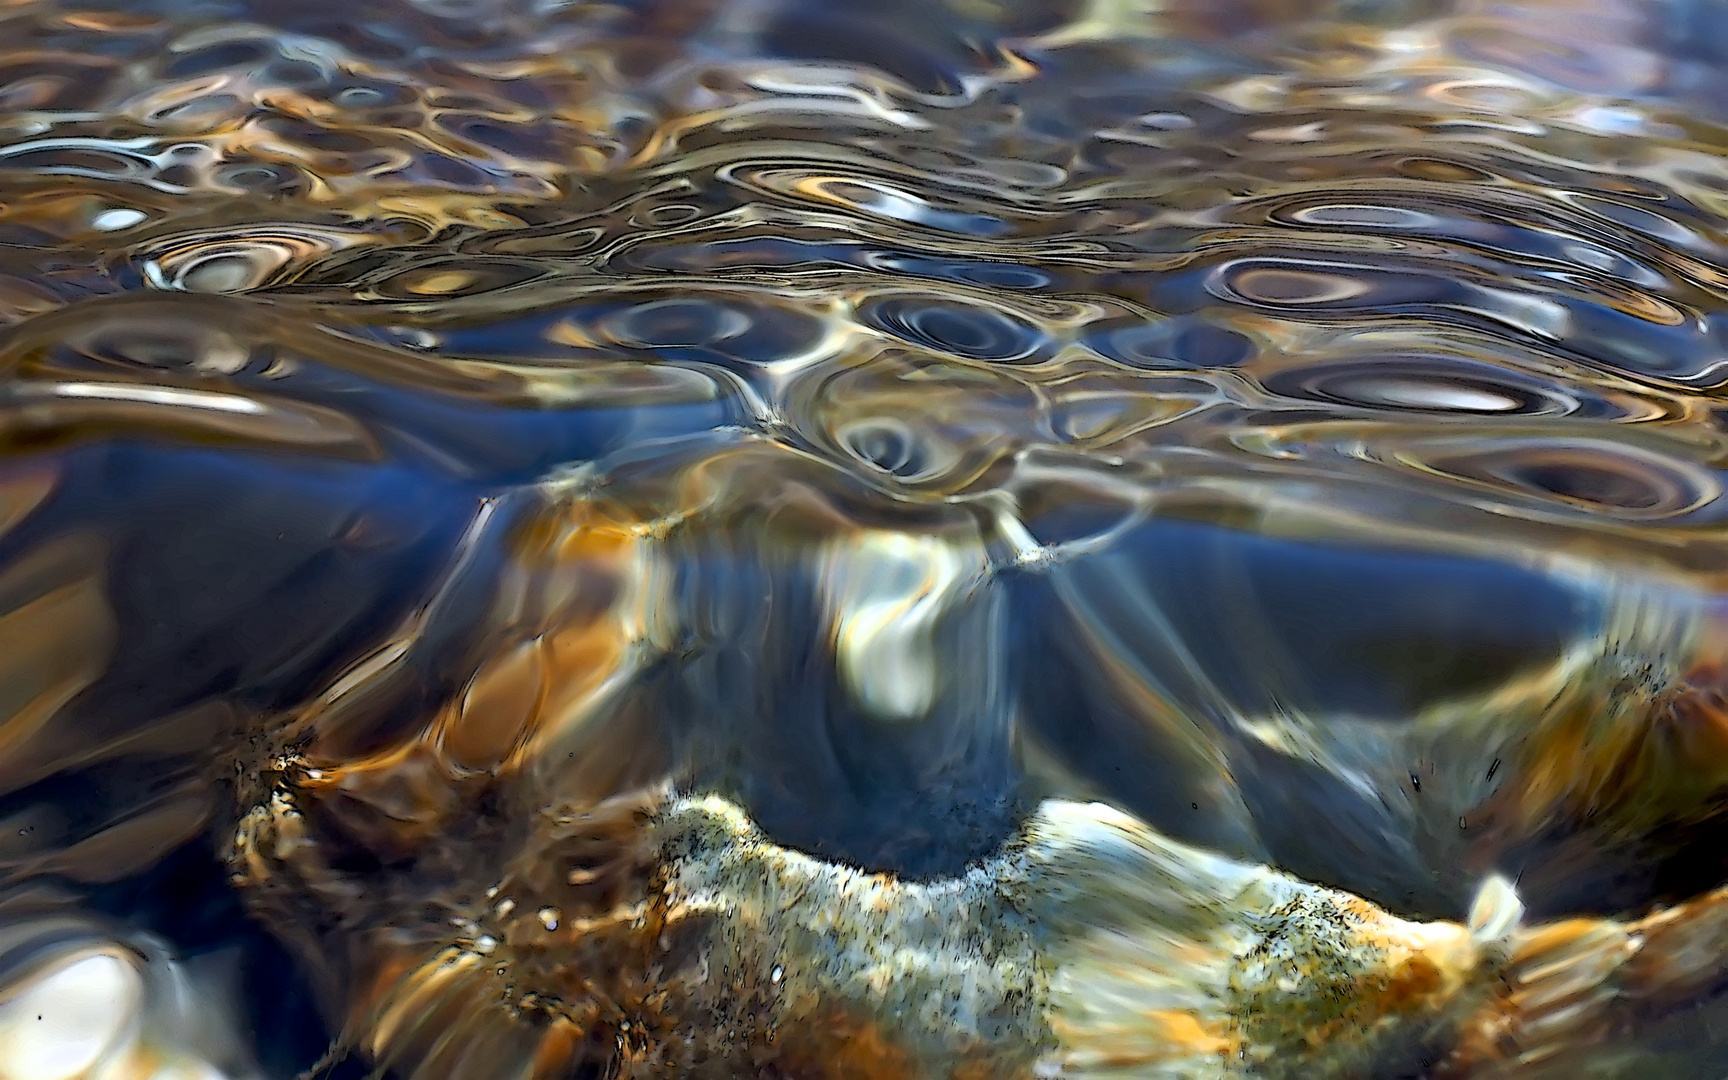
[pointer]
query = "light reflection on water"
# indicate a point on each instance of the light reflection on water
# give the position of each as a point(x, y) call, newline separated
point(1296, 427)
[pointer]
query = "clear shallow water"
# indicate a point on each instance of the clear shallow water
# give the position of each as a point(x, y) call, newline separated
point(1297, 429)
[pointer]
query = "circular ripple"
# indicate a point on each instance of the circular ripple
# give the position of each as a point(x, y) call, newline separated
point(917, 420)
point(1595, 475)
point(890, 445)
point(1173, 343)
point(1364, 216)
point(972, 331)
point(1288, 283)
point(1424, 385)
point(740, 328)
point(665, 324)
point(241, 260)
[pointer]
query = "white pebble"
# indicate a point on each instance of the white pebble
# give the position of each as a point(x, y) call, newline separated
point(60, 1024)
point(117, 219)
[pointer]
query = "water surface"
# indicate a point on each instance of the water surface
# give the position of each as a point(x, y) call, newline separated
point(1249, 415)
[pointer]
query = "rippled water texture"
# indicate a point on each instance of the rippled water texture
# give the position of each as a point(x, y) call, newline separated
point(1286, 430)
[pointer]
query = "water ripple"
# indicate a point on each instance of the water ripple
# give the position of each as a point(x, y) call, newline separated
point(1301, 429)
